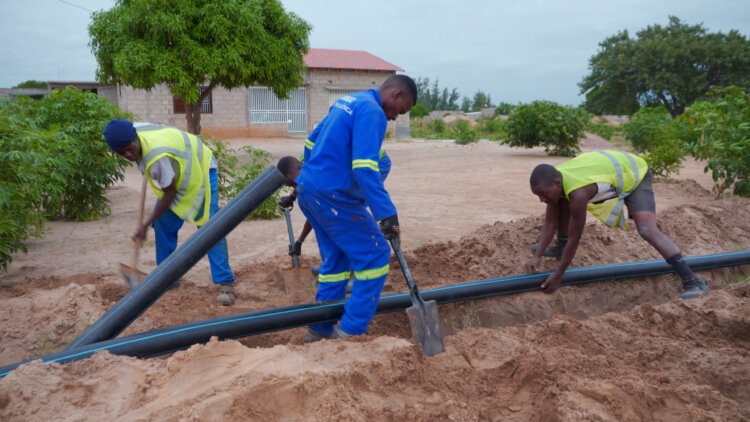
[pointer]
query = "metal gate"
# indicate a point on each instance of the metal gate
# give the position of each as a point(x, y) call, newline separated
point(266, 107)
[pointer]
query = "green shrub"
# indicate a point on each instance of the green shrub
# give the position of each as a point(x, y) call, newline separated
point(659, 138)
point(236, 169)
point(418, 111)
point(544, 123)
point(504, 109)
point(437, 126)
point(721, 135)
point(463, 132)
point(55, 164)
point(601, 128)
point(493, 129)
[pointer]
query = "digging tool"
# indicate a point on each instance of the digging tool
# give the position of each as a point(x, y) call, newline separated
point(424, 318)
point(131, 274)
point(295, 258)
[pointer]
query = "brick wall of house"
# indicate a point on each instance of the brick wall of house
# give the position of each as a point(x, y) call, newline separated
point(320, 81)
point(230, 108)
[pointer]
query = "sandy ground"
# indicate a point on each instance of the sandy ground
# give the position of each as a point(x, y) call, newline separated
point(625, 350)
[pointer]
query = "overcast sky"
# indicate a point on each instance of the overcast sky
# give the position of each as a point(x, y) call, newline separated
point(517, 51)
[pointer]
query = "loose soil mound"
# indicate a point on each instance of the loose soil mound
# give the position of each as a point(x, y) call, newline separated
point(522, 357)
point(676, 361)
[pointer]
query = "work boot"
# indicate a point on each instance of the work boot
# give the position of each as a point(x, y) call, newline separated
point(556, 250)
point(226, 294)
point(338, 333)
point(312, 336)
point(694, 287)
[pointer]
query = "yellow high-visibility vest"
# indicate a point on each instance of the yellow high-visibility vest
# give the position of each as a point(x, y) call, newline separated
point(194, 159)
point(620, 169)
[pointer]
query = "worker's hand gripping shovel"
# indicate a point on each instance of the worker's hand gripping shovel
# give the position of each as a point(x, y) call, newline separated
point(423, 316)
point(131, 274)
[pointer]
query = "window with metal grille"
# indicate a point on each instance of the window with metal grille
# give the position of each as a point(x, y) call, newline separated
point(266, 107)
point(206, 106)
point(335, 94)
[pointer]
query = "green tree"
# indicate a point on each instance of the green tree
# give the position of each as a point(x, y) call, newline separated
point(32, 84)
point(545, 123)
point(466, 104)
point(188, 44)
point(674, 65)
point(480, 101)
point(722, 138)
point(418, 110)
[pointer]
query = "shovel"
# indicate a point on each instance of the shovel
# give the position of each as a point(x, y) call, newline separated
point(423, 316)
point(295, 258)
point(131, 274)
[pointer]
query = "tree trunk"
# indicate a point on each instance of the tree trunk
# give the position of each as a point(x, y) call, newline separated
point(193, 116)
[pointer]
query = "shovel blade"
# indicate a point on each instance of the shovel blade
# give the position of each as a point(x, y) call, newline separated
point(131, 278)
point(426, 327)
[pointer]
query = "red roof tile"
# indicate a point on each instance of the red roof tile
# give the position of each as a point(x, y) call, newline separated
point(326, 58)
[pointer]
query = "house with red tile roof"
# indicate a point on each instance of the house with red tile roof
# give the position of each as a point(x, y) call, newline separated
point(256, 111)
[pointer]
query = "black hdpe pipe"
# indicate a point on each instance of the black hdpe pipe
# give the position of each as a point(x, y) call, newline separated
point(181, 260)
point(170, 339)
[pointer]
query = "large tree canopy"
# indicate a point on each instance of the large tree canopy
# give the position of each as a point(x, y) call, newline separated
point(674, 65)
point(188, 44)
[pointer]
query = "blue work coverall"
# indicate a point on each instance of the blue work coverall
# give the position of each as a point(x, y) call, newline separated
point(340, 178)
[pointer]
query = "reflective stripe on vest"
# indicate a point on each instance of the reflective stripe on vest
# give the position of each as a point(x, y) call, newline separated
point(184, 178)
point(615, 215)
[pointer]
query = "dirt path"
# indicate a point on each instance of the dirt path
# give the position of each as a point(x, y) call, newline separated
point(624, 350)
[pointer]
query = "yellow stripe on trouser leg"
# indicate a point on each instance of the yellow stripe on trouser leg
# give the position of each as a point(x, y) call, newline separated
point(333, 278)
point(372, 274)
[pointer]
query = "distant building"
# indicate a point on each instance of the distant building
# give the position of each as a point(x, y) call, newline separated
point(256, 111)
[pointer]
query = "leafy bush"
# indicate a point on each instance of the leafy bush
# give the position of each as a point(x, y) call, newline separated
point(418, 111)
point(55, 164)
point(236, 169)
point(721, 131)
point(493, 129)
point(437, 126)
point(464, 133)
point(504, 109)
point(659, 138)
point(545, 123)
point(32, 84)
point(601, 128)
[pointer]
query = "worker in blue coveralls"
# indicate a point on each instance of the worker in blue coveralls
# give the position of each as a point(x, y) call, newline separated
point(339, 177)
point(182, 172)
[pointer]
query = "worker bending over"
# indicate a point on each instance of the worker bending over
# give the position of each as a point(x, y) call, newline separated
point(603, 182)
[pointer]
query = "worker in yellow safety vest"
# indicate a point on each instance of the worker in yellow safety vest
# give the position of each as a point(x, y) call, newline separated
point(182, 173)
point(602, 182)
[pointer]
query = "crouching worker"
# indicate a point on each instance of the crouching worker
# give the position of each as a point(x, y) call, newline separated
point(340, 175)
point(182, 172)
point(290, 167)
point(603, 182)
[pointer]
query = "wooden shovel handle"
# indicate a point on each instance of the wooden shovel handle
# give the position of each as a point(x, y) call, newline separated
point(140, 222)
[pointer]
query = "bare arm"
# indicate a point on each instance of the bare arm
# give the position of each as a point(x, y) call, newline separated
point(170, 192)
point(305, 231)
point(548, 231)
point(578, 200)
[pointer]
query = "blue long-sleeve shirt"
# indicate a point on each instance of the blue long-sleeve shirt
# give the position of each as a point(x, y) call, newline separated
point(342, 154)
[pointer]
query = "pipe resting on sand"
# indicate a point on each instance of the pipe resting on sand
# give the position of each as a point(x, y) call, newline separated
point(127, 309)
point(178, 337)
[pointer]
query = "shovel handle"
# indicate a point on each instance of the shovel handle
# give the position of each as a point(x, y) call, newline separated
point(288, 217)
point(413, 289)
point(134, 275)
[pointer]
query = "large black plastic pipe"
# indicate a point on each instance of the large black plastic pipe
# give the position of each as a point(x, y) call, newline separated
point(170, 339)
point(115, 320)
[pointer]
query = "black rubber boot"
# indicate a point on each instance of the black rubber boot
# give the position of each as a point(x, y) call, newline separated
point(556, 250)
point(694, 287)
